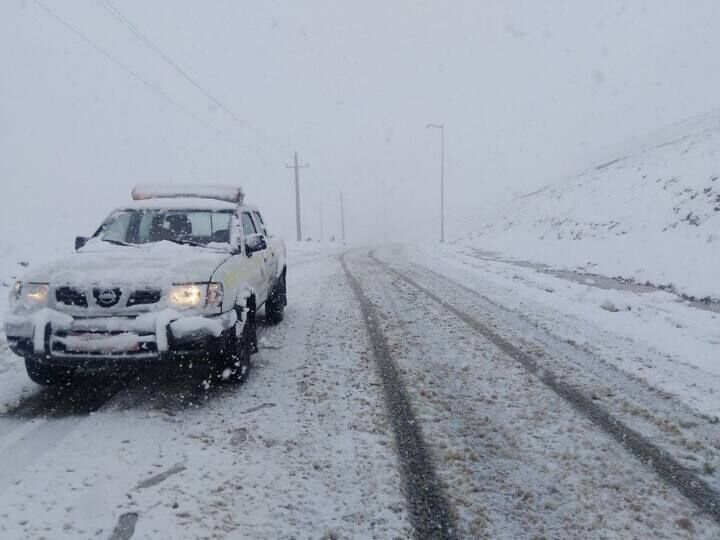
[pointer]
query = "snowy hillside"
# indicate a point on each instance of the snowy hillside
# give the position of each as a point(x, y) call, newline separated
point(651, 215)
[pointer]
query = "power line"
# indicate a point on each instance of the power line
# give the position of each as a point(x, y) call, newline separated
point(114, 11)
point(146, 40)
point(130, 72)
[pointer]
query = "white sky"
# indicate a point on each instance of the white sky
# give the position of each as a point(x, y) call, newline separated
point(529, 91)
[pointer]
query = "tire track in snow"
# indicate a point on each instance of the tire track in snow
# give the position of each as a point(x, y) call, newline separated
point(664, 396)
point(429, 509)
point(671, 471)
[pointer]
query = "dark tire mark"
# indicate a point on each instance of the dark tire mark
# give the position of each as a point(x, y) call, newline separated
point(125, 527)
point(257, 408)
point(686, 481)
point(156, 479)
point(429, 509)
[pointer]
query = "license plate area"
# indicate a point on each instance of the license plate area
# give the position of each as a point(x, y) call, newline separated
point(121, 343)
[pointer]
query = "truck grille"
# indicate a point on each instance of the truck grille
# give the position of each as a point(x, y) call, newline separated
point(106, 297)
point(147, 296)
point(70, 297)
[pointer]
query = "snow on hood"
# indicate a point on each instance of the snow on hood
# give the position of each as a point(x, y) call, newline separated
point(161, 263)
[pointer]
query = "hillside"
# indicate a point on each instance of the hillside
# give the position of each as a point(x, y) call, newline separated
point(650, 215)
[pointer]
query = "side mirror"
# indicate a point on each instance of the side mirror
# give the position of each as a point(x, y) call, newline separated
point(80, 241)
point(253, 243)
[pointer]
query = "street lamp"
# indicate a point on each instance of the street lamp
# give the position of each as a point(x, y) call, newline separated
point(441, 127)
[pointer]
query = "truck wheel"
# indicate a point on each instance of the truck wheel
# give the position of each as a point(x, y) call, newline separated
point(47, 375)
point(276, 302)
point(235, 356)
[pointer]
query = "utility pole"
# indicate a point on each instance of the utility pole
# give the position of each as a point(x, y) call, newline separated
point(297, 194)
point(441, 127)
point(321, 222)
point(342, 217)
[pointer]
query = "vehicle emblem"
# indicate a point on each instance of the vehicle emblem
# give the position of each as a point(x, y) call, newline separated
point(106, 297)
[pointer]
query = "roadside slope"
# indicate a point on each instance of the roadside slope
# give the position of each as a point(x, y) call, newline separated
point(650, 215)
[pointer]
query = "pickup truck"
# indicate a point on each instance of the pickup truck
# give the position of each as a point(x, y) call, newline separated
point(176, 275)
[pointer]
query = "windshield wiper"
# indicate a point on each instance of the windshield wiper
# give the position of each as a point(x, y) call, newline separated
point(117, 242)
point(185, 242)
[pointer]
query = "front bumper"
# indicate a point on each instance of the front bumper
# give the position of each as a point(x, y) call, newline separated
point(57, 337)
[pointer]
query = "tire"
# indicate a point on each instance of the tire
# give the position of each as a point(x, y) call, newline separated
point(276, 302)
point(234, 361)
point(47, 375)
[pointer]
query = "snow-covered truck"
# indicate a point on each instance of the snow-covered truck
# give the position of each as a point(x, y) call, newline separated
point(174, 276)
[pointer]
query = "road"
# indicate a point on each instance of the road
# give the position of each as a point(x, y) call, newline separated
point(400, 397)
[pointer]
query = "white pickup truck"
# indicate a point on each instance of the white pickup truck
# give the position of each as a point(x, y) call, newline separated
point(176, 275)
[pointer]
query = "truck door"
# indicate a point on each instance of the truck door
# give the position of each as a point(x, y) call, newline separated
point(258, 260)
point(272, 257)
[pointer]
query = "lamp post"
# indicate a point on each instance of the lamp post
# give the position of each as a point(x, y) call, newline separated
point(441, 127)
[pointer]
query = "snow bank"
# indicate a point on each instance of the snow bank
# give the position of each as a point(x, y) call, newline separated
point(652, 215)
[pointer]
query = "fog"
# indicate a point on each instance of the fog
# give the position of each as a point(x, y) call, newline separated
point(528, 91)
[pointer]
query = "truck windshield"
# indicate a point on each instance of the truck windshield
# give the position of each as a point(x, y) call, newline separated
point(198, 227)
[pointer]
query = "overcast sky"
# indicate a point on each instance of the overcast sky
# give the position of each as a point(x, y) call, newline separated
point(529, 92)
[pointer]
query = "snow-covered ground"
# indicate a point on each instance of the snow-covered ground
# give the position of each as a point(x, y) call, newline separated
point(302, 448)
point(650, 214)
point(518, 461)
point(649, 334)
point(305, 448)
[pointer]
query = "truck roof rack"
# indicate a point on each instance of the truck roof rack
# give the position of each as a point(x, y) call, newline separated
point(234, 194)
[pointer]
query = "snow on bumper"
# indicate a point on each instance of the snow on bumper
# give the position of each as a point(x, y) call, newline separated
point(53, 333)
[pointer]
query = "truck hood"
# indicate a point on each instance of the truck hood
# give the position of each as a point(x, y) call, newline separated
point(159, 264)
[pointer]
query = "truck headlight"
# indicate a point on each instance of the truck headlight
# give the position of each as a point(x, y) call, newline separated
point(195, 295)
point(186, 295)
point(29, 296)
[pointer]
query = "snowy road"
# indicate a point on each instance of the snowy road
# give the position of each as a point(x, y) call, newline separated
point(401, 396)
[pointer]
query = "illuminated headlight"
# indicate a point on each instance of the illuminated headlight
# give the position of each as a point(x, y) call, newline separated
point(195, 295)
point(29, 296)
point(186, 295)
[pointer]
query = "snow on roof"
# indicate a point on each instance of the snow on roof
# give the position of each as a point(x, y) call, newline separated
point(182, 203)
point(233, 194)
